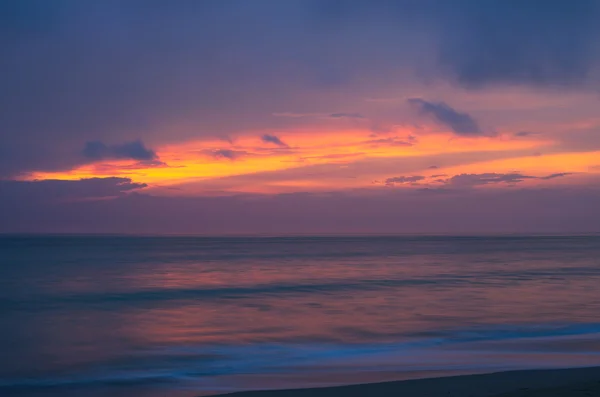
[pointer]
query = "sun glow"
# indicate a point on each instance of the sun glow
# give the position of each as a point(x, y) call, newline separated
point(207, 161)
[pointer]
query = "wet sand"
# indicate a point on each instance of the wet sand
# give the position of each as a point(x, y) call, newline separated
point(531, 383)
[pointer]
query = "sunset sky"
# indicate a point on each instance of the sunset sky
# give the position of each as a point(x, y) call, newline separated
point(300, 116)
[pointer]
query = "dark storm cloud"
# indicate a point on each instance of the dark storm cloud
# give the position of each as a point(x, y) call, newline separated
point(460, 123)
point(134, 150)
point(267, 138)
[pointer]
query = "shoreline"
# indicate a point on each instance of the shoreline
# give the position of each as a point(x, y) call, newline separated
point(567, 382)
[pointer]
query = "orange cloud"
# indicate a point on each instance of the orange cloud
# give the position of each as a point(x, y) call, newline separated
point(212, 162)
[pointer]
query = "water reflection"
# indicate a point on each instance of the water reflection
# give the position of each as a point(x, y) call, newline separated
point(208, 312)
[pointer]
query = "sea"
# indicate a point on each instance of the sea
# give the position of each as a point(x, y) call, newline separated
point(189, 316)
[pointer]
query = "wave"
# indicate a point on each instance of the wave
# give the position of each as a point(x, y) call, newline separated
point(177, 294)
point(446, 351)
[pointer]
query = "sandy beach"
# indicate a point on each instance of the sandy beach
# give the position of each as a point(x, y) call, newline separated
point(531, 383)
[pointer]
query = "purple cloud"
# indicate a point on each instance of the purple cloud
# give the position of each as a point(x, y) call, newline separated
point(267, 138)
point(469, 180)
point(135, 150)
point(521, 134)
point(50, 190)
point(403, 180)
point(227, 154)
point(460, 123)
point(557, 175)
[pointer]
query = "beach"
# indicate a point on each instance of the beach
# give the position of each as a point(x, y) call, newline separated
point(574, 382)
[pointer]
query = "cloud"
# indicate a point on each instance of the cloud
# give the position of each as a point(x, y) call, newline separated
point(227, 139)
point(51, 191)
point(469, 180)
point(486, 179)
point(297, 115)
point(381, 128)
point(162, 69)
point(334, 156)
point(548, 45)
point(552, 44)
point(135, 150)
point(393, 141)
point(557, 175)
point(525, 133)
point(460, 123)
point(227, 153)
point(328, 175)
point(267, 138)
point(346, 116)
point(111, 168)
point(403, 179)
point(337, 115)
point(433, 167)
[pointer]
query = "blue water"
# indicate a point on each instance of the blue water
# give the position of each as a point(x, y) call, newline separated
point(187, 316)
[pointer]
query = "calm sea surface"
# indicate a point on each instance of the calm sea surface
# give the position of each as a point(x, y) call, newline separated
point(185, 316)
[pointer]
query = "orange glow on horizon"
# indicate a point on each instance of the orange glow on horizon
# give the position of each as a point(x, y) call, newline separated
point(216, 160)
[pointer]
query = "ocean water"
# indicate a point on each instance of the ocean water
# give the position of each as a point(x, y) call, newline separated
point(187, 316)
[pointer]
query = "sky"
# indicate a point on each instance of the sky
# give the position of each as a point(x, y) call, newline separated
point(299, 116)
